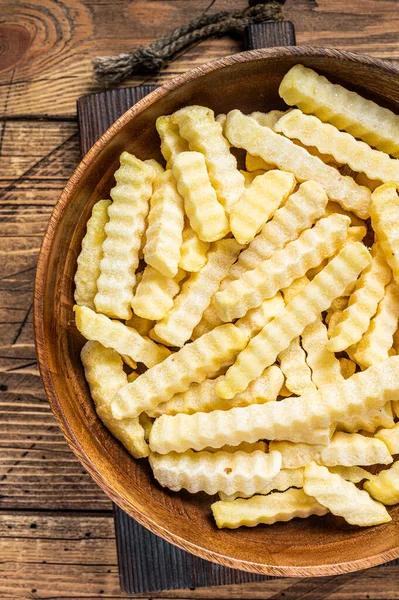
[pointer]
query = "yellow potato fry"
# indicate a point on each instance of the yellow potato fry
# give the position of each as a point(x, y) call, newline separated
point(209, 321)
point(299, 212)
point(285, 479)
point(114, 334)
point(333, 207)
point(206, 215)
point(390, 437)
point(353, 474)
point(88, 270)
point(362, 179)
point(345, 449)
point(132, 376)
point(368, 421)
point(337, 305)
point(249, 177)
point(244, 132)
point(349, 111)
point(198, 126)
point(201, 397)
point(323, 363)
point(276, 336)
point(342, 146)
point(268, 119)
point(343, 498)
point(384, 487)
point(266, 510)
point(363, 303)
point(158, 168)
point(177, 325)
point(128, 361)
point(378, 339)
point(384, 212)
point(215, 472)
point(165, 226)
point(282, 268)
point(172, 143)
point(142, 326)
point(221, 119)
point(124, 231)
point(191, 364)
point(146, 422)
point(255, 163)
point(154, 294)
point(105, 376)
point(258, 203)
point(244, 447)
point(258, 317)
point(193, 251)
point(347, 366)
point(355, 234)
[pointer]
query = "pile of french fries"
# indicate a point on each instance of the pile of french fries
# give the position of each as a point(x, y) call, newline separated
point(242, 334)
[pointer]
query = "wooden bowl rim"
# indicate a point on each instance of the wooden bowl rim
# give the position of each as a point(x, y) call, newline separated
point(39, 286)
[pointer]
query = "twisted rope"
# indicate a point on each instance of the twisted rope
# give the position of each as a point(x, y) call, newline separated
point(151, 59)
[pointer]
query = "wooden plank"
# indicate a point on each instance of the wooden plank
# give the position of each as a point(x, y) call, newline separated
point(51, 44)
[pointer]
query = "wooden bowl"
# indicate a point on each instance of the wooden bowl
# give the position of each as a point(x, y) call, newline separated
point(309, 547)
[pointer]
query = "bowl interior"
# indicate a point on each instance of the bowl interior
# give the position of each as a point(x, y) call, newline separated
point(315, 546)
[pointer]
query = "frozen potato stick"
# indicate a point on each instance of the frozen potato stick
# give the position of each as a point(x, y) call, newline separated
point(124, 231)
point(193, 251)
point(285, 479)
point(342, 146)
point(363, 303)
point(142, 326)
point(244, 132)
point(353, 474)
point(347, 366)
point(209, 472)
point(384, 212)
point(244, 447)
point(304, 308)
point(390, 437)
point(345, 449)
point(154, 294)
point(105, 375)
point(343, 498)
point(172, 142)
point(206, 215)
point(378, 339)
point(305, 419)
point(364, 119)
point(258, 317)
point(384, 487)
point(299, 212)
point(201, 397)
point(191, 364)
point(368, 421)
point(268, 119)
point(255, 163)
point(282, 268)
point(333, 207)
point(177, 325)
point(114, 334)
point(324, 365)
point(266, 510)
point(198, 126)
point(88, 269)
point(258, 203)
point(165, 226)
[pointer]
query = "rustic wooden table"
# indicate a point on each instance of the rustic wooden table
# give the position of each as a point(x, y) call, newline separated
point(56, 525)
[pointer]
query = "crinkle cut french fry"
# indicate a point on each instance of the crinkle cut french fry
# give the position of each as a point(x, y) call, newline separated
point(209, 321)
point(172, 143)
point(343, 498)
point(244, 447)
point(244, 132)
point(129, 361)
point(201, 397)
point(268, 119)
point(215, 472)
point(258, 203)
point(353, 474)
point(124, 231)
point(285, 479)
point(342, 146)
point(177, 325)
point(345, 449)
point(337, 305)
point(368, 421)
point(355, 234)
point(255, 163)
point(377, 341)
point(88, 269)
point(349, 111)
point(193, 251)
point(104, 374)
point(362, 179)
point(305, 419)
point(158, 168)
point(132, 376)
point(191, 364)
point(390, 437)
point(206, 215)
point(250, 176)
point(363, 303)
point(347, 366)
point(198, 126)
point(221, 119)
point(299, 212)
point(384, 212)
point(384, 487)
point(165, 226)
point(304, 308)
point(154, 294)
point(333, 207)
point(114, 334)
point(266, 510)
point(258, 317)
point(282, 268)
point(324, 364)
point(142, 326)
